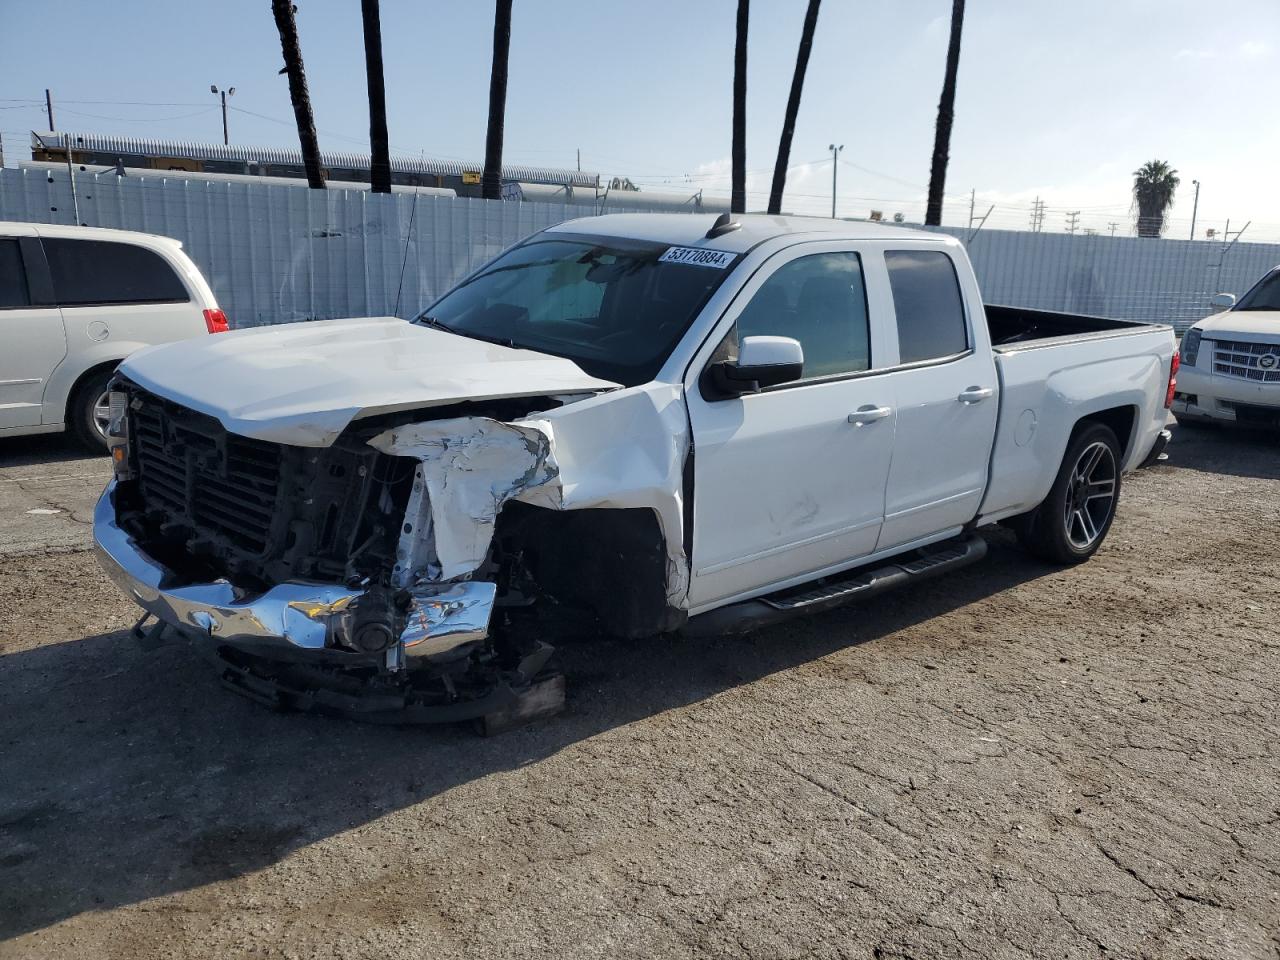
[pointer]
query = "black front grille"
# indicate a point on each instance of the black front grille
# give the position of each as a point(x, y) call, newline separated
point(195, 474)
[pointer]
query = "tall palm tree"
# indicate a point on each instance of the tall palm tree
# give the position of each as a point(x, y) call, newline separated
point(283, 11)
point(793, 106)
point(738, 196)
point(491, 180)
point(379, 149)
point(946, 114)
point(1154, 184)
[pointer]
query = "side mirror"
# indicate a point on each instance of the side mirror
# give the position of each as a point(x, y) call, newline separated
point(1222, 301)
point(762, 362)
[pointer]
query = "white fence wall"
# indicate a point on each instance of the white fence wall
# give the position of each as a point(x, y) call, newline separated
point(1129, 278)
point(277, 253)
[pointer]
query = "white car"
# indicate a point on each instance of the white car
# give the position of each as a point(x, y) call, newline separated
point(645, 423)
point(1231, 361)
point(74, 302)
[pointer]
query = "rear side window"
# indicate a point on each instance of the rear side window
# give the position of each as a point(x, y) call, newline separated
point(926, 298)
point(13, 279)
point(100, 272)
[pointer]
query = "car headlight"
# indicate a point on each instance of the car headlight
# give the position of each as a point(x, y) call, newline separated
point(118, 434)
point(1190, 347)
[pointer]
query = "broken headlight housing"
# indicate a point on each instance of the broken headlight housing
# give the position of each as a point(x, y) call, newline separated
point(118, 434)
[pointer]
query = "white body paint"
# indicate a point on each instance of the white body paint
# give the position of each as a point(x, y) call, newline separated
point(786, 485)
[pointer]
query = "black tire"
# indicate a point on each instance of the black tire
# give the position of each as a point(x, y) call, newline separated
point(82, 420)
point(1071, 523)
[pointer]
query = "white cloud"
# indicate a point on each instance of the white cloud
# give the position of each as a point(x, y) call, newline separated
point(1188, 54)
point(1255, 49)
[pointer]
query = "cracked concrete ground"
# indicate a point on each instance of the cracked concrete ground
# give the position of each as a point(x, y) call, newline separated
point(1017, 761)
point(48, 487)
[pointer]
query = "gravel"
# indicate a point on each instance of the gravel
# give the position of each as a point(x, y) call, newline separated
point(1016, 761)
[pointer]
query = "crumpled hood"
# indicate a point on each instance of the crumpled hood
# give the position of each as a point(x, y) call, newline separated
point(1262, 326)
point(302, 383)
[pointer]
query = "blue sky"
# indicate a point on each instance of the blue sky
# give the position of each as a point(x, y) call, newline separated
point(1056, 100)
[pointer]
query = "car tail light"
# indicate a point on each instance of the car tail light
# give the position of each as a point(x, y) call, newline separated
point(1173, 380)
point(216, 321)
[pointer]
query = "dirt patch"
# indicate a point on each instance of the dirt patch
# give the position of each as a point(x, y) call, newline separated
point(1016, 761)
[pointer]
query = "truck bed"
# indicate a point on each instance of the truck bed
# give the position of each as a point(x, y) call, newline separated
point(1013, 327)
point(1055, 368)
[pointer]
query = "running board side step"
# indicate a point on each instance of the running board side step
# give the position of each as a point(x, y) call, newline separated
point(839, 589)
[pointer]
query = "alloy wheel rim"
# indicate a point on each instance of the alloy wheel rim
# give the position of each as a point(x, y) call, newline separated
point(102, 414)
point(1091, 495)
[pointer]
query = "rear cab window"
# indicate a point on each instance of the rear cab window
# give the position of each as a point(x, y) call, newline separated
point(930, 310)
point(100, 272)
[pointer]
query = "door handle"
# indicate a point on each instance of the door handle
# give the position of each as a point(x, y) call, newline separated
point(869, 414)
point(975, 394)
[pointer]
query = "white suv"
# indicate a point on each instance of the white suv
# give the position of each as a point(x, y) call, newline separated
point(1231, 361)
point(74, 302)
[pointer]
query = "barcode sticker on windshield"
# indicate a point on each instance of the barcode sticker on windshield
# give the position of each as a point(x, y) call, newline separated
point(698, 258)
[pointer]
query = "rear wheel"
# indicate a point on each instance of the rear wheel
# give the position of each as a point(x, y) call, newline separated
point(89, 411)
point(1071, 523)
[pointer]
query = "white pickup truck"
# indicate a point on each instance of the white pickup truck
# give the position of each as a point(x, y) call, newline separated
point(641, 423)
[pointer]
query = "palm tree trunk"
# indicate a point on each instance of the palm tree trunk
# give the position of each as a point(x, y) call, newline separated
point(738, 197)
point(946, 114)
point(379, 149)
point(793, 107)
point(491, 180)
point(288, 27)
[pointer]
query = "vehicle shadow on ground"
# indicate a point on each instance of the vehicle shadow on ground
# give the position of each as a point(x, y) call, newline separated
point(130, 775)
point(1228, 450)
point(28, 451)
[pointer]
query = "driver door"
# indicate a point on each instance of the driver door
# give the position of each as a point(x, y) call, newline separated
point(790, 482)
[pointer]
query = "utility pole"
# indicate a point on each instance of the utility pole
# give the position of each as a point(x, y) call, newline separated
point(229, 92)
point(1073, 220)
point(1037, 215)
point(1194, 207)
point(1112, 226)
point(835, 163)
point(579, 159)
point(972, 196)
point(48, 106)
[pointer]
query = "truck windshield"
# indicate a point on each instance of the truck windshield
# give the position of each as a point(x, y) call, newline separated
point(1265, 294)
point(614, 307)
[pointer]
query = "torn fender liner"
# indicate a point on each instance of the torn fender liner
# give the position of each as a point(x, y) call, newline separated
point(471, 466)
point(623, 449)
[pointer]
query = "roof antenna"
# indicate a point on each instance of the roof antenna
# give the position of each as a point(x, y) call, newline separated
point(724, 224)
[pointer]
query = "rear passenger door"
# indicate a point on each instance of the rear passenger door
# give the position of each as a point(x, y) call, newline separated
point(946, 396)
point(32, 339)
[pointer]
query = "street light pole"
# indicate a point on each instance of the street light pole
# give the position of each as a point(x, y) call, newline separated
point(229, 92)
point(835, 163)
point(1195, 206)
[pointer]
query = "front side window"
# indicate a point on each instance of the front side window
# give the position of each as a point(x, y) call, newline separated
point(103, 272)
point(821, 301)
point(13, 278)
point(926, 298)
point(1265, 294)
point(614, 307)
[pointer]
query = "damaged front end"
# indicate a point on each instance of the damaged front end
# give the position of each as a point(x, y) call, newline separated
point(405, 573)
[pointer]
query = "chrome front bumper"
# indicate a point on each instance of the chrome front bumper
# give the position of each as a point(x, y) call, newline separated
point(290, 619)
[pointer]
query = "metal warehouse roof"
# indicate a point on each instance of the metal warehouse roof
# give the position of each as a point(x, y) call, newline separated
point(140, 146)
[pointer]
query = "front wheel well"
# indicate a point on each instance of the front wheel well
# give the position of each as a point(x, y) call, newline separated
point(1119, 419)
